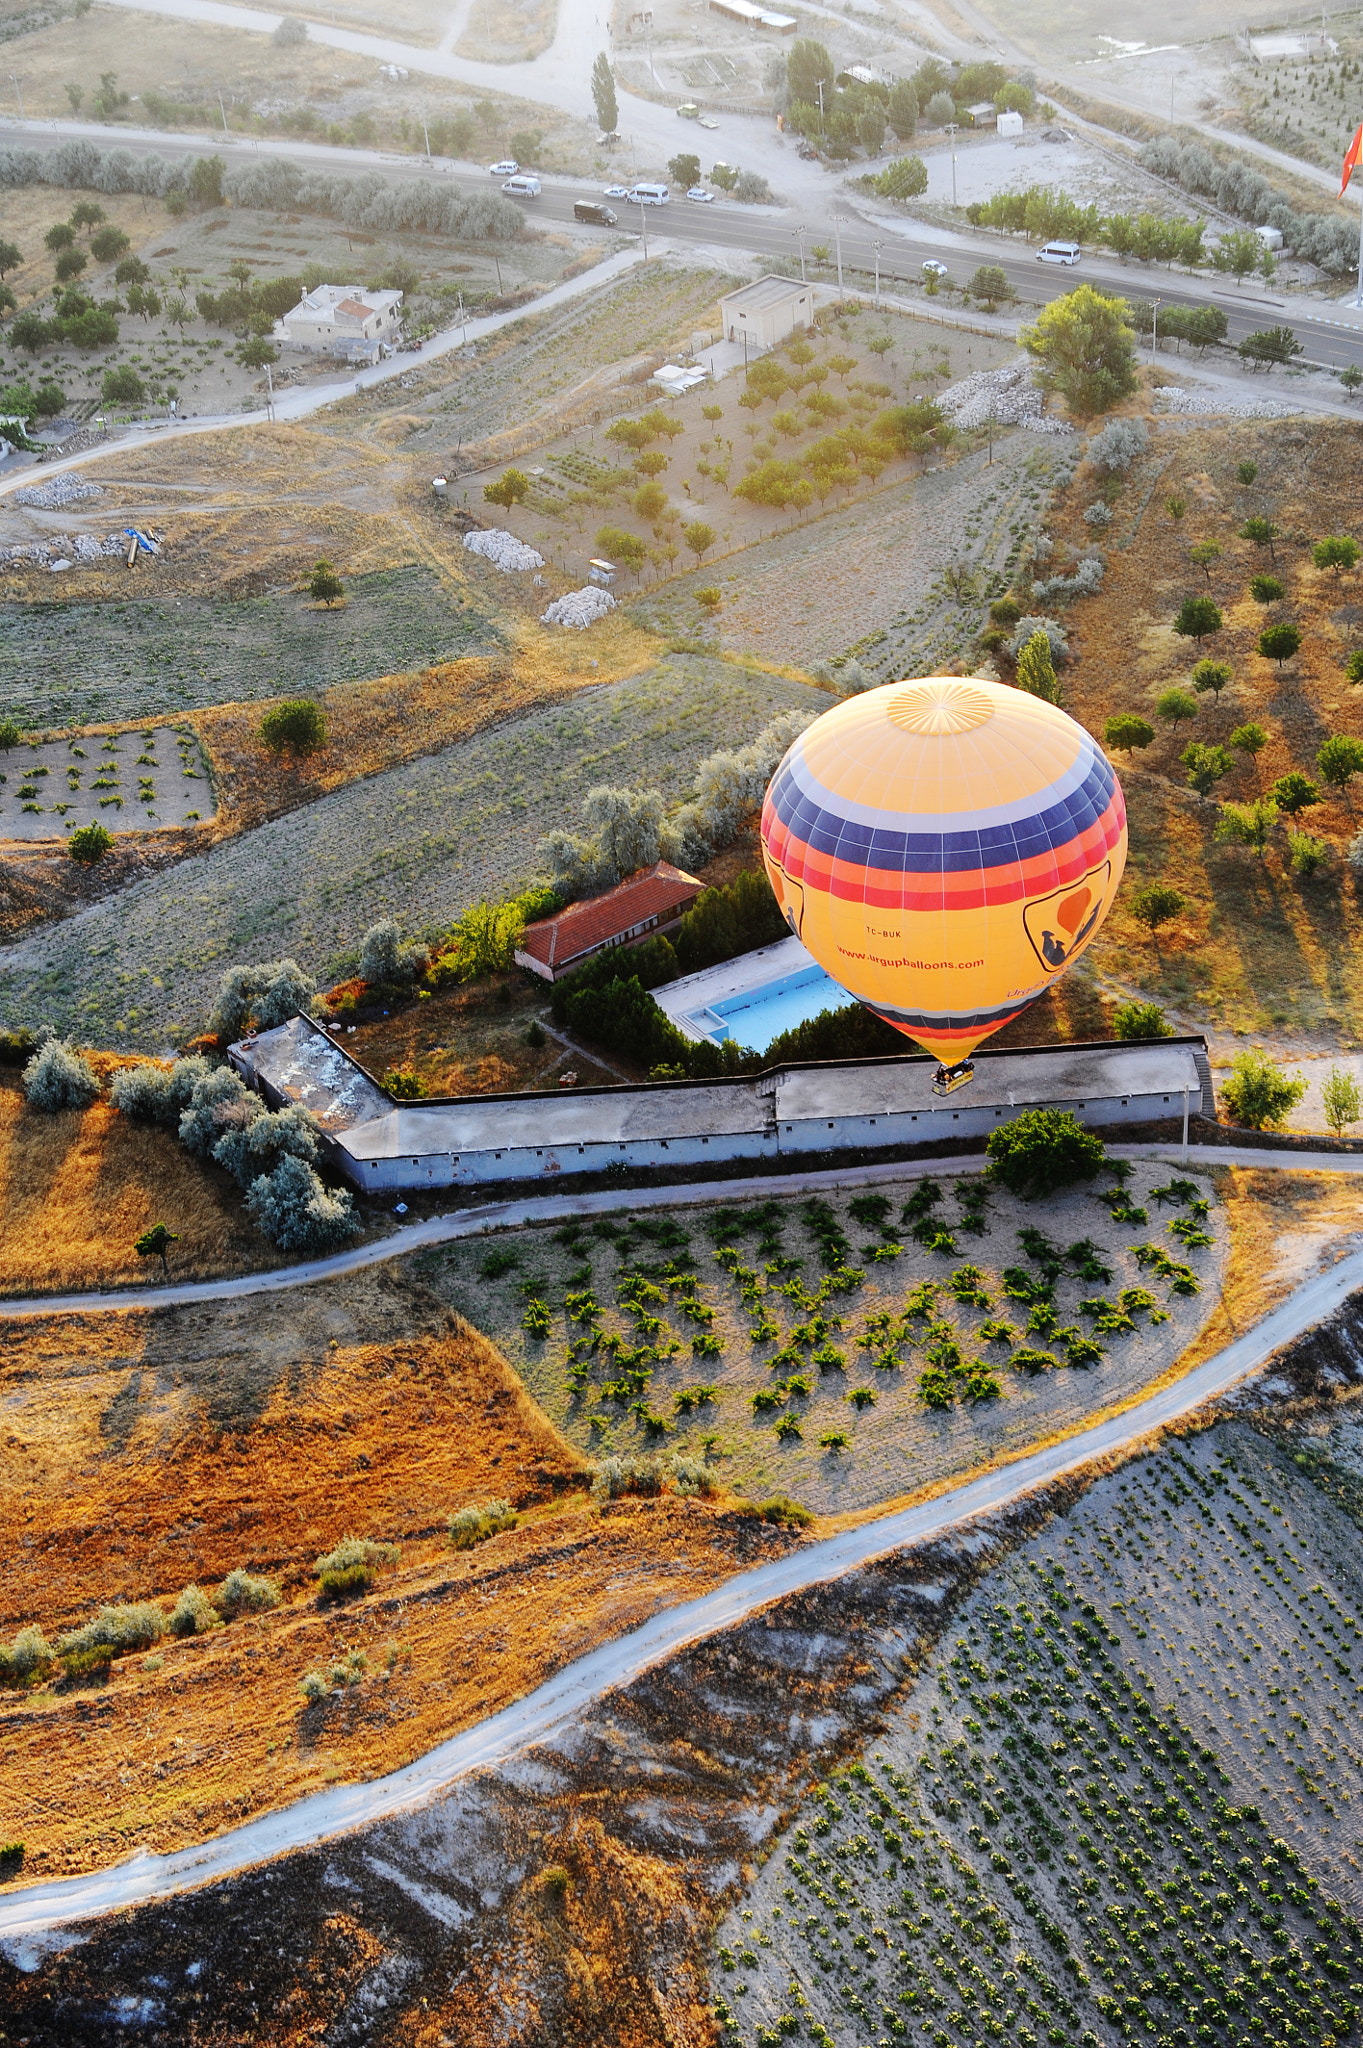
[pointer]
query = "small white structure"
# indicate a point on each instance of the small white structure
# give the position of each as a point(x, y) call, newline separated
point(756, 17)
point(1010, 122)
point(1272, 238)
point(336, 319)
point(766, 312)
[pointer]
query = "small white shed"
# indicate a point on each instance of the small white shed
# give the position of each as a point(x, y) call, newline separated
point(1010, 123)
point(766, 312)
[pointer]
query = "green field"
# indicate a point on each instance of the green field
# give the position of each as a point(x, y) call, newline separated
point(418, 843)
point(99, 664)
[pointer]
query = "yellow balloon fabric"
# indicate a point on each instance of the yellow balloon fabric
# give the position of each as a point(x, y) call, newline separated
point(945, 849)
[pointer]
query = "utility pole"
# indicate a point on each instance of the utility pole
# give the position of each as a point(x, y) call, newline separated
point(877, 246)
point(427, 133)
point(951, 131)
point(17, 94)
point(223, 111)
point(1154, 330)
point(643, 227)
point(269, 404)
point(839, 223)
point(800, 234)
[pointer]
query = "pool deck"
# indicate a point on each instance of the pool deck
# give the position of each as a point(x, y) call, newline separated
point(686, 1000)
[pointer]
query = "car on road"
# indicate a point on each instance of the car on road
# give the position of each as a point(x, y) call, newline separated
point(698, 192)
point(689, 111)
point(616, 191)
point(932, 268)
point(648, 194)
point(523, 186)
point(592, 210)
point(507, 168)
point(707, 122)
point(1059, 252)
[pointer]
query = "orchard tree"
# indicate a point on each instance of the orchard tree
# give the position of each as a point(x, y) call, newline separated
point(1156, 906)
point(1173, 706)
point(1125, 732)
point(1086, 350)
point(1258, 1092)
point(1137, 1020)
point(1247, 824)
point(1294, 792)
point(1279, 643)
point(1211, 675)
point(1266, 590)
point(155, 1244)
point(1197, 617)
point(297, 726)
point(1336, 551)
point(1203, 554)
point(1262, 532)
point(1339, 760)
point(512, 487)
point(11, 256)
point(1205, 765)
point(325, 585)
point(1249, 739)
point(603, 93)
point(700, 538)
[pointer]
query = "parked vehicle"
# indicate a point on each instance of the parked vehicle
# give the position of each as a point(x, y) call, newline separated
point(689, 111)
point(592, 210)
point(932, 268)
point(507, 168)
point(1059, 252)
point(648, 195)
point(699, 193)
point(616, 191)
point(523, 186)
point(706, 122)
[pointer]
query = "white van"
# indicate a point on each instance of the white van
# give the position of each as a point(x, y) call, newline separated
point(1057, 252)
point(522, 186)
point(648, 195)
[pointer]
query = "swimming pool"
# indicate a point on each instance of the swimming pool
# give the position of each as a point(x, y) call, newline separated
point(755, 1016)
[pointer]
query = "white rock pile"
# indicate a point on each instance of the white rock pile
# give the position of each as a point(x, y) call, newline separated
point(580, 608)
point(58, 493)
point(1173, 399)
point(503, 550)
point(1008, 396)
point(86, 547)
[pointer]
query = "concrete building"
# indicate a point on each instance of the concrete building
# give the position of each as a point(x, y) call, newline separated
point(767, 311)
point(642, 905)
point(793, 1113)
point(335, 319)
point(1010, 122)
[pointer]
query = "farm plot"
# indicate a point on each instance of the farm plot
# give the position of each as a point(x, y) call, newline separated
point(92, 664)
point(1118, 1796)
point(876, 578)
point(850, 1350)
point(129, 782)
point(419, 843)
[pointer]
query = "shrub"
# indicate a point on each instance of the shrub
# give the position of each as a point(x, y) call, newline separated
point(1175, 705)
point(649, 1475)
point(123, 386)
point(219, 1100)
point(1156, 906)
point(1119, 444)
point(353, 1566)
point(726, 921)
point(58, 1077)
point(296, 1212)
point(29, 1654)
point(1279, 643)
point(325, 586)
point(1098, 514)
point(1341, 1101)
point(265, 995)
point(1210, 675)
point(313, 1686)
point(89, 844)
point(242, 1593)
point(1043, 1150)
point(1294, 792)
point(256, 1145)
point(1197, 617)
point(194, 1614)
point(297, 725)
point(1258, 1092)
point(1125, 732)
point(1140, 1020)
point(385, 960)
point(1035, 670)
point(475, 1524)
point(119, 1630)
point(1247, 824)
point(152, 1094)
point(17, 1048)
point(1266, 590)
point(1306, 854)
point(782, 1511)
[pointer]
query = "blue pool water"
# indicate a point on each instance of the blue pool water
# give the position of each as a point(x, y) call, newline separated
point(758, 1015)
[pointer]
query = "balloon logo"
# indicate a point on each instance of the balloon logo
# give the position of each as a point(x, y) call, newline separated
point(945, 849)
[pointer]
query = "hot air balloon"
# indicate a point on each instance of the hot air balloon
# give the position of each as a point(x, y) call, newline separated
point(945, 849)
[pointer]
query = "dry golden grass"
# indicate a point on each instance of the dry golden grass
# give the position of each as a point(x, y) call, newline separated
point(30, 210)
point(145, 1451)
point(77, 1188)
point(1257, 945)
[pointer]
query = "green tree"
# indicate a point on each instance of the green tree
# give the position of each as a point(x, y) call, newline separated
point(1156, 906)
point(1085, 348)
point(1203, 554)
point(1258, 1092)
point(684, 170)
point(1140, 1020)
point(86, 213)
point(1294, 792)
point(1238, 252)
point(1247, 824)
point(603, 94)
point(1249, 739)
point(1042, 1151)
point(49, 400)
point(325, 585)
point(155, 1244)
point(298, 725)
point(808, 68)
point(1351, 377)
point(1271, 345)
point(650, 503)
point(59, 236)
point(1210, 675)
point(256, 352)
point(1205, 765)
point(617, 544)
point(904, 109)
point(1336, 551)
point(109, 244)
point(88, 844)
point(512, 487)
point(1036, 671)
point(11, 256)
point(699, 537)
point(1266, 590)
point(990, 286)
point(1262, 532)
point(123, 386)
point(70, 264)
point(1305, 854)
point(1245, 473)
point(1353, 667)
point(1125, 732)
point(1197, 617)
point(1280, 642)
point(1339, 760)
point(1340, 1101)
point(1173, 706)
point(1176, 508)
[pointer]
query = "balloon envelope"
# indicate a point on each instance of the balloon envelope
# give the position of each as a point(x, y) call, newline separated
point(945, 849)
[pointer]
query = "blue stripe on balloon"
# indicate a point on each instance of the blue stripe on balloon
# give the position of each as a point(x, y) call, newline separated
point(820, 827)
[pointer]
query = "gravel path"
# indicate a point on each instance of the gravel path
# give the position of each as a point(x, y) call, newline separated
point(327, 1815)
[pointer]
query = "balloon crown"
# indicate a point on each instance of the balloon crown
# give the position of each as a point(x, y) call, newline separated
point(941, 707)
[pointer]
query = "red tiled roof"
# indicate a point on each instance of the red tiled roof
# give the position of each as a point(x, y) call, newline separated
point(355, 308)
point(661, 891)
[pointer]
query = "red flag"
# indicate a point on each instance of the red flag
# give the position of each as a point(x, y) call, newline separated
point(1353, 156)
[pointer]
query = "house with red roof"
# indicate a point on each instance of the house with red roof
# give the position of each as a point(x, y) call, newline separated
point(644, 904)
